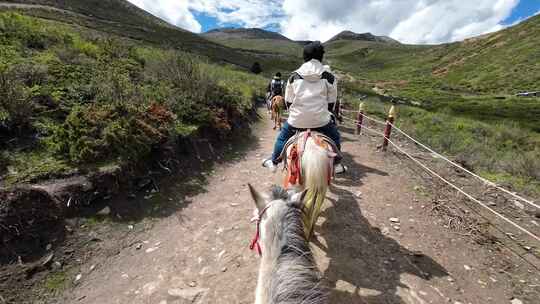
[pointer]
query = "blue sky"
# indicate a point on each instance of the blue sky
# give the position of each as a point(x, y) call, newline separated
point(525, 9)
point(409, 21)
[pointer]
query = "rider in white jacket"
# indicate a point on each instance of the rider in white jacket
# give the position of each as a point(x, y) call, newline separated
point(311, 91)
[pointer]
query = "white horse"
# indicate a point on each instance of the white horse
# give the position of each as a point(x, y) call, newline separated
point(287, 273)
point(316, 172)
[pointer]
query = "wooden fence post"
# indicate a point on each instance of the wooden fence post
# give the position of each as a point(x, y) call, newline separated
point(360, 118)
point(388, 130)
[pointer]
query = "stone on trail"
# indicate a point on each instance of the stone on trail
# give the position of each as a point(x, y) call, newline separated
point(394, 220)
point(150, 250)
point(516, 301)
point(189, 295)
point(519, 205)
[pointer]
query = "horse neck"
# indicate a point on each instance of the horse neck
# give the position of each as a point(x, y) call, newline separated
point(269, 261)
point(288, 270)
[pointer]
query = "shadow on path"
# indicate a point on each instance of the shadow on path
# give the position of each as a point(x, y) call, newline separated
point(365, 265)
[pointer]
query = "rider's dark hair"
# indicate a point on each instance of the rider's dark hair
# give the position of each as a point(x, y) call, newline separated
point(278, 74)
point(313, 50)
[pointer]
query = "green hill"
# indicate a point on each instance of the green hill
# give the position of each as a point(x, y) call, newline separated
point(499, 63)
point(255, 39)
point(121, 18)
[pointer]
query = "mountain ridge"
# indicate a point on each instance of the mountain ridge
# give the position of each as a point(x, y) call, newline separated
point(246, 33)
point(350, 35)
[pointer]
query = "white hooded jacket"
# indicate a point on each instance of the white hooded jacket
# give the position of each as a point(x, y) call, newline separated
point(310, 94)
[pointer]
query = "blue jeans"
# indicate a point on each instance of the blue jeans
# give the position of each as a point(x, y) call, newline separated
point(288, 131)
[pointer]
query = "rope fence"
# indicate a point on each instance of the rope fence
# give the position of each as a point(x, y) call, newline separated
point(358, 123)
point(469, 196)
point(484, 180)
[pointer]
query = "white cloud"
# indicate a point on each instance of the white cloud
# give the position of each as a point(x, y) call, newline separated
point(410, 21)
point(174, 11)
point(246, 13)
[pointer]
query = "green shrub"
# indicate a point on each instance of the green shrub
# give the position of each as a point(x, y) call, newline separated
point(16, 107)
point(103, 131)
point(86, 98)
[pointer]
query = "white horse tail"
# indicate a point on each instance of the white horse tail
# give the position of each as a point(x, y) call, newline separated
point(315, 172)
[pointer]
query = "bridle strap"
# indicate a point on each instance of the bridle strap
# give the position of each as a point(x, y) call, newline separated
point(255, 243)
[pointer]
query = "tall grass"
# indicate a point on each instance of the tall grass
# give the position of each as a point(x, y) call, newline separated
point(503, 151)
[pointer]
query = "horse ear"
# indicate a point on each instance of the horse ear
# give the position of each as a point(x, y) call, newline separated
point(299, 197)
point(260, 200)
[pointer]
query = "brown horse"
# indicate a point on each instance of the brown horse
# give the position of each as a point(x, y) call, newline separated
point(278, 102)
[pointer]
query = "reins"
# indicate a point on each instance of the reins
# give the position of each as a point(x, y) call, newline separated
point(255, 244)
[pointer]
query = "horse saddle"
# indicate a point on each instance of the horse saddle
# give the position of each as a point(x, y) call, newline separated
point(301, 136)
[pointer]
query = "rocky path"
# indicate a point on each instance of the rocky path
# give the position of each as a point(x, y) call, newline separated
point(377, 242)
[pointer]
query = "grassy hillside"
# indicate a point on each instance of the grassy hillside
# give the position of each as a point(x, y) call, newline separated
point(73, 99)
point(503, 151)
point(121, 18)
point(288, 48)
point(464, 97)
point(498, 63)
point(255, 39)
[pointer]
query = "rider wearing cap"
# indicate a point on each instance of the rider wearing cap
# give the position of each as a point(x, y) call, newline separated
point(311, 91)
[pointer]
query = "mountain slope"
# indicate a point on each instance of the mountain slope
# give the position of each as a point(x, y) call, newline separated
point(245, 33)
point(121, 18)
point(501, 62)
point(348, 35)
point(255, 39)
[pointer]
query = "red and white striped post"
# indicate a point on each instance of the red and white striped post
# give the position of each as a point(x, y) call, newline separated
point(388, 129)
point(360, 118)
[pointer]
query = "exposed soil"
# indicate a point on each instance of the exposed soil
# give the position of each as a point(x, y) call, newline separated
point(187, 242)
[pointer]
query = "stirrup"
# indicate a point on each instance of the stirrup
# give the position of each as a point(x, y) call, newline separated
point(340, 169)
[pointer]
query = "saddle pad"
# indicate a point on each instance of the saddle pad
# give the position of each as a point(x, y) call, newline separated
point(294, 139)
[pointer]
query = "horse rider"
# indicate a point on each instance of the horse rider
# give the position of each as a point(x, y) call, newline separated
point(311, 91)
point(275, 87)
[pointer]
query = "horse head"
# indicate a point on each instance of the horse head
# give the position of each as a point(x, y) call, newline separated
point(270, 210)
point(288, 273)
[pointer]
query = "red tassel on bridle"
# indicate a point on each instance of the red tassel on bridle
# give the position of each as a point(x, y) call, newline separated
point(255, 243)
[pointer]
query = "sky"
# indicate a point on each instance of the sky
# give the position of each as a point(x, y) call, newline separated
point(409, 21)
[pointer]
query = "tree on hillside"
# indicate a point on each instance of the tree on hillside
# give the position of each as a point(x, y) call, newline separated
point(256, 68)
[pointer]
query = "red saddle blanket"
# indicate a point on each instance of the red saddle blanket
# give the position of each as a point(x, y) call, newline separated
point(294, 159)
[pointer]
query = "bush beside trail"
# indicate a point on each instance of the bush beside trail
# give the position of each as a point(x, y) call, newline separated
point(72, 99)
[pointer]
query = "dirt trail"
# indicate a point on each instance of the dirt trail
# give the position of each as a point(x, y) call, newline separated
point(200, 253)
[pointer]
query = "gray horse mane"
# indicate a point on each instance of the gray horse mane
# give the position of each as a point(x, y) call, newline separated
point(295, 279)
